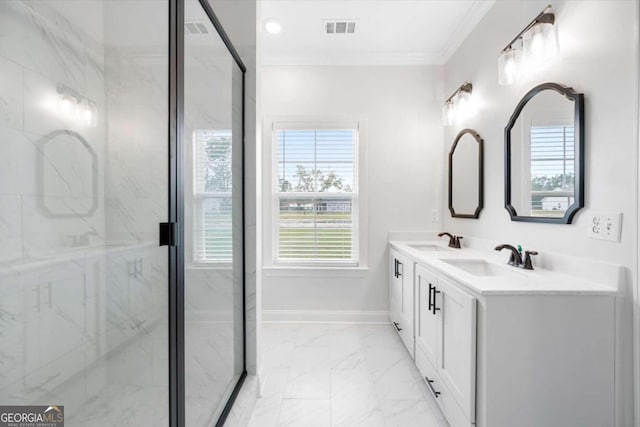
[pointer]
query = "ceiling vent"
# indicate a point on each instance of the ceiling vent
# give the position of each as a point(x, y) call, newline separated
point(195, 28)
point(340, 26)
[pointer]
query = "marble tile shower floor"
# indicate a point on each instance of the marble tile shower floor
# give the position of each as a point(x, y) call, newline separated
point(340, 375)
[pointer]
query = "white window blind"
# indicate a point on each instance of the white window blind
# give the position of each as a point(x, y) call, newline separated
point(552, 169)
point(212, 196)
point(316, 203)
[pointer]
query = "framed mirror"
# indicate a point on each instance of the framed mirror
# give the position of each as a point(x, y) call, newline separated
point(466, 186)
point(544, 156)
point(68, 175)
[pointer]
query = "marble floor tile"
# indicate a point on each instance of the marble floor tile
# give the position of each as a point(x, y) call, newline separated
point(346, 358)
point(353, 399)
point(379, 336)
point(277, 356)
point(308, 384)
point(305, 358)
point(313, 335)
point(276, 334)
point(410, 413)
point(397, 382)
point(266, 412)
point(305, 412)
point(340, 375)
point(274, 382)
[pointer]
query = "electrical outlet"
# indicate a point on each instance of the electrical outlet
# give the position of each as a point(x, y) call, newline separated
point(435, 215)
point(605, 226)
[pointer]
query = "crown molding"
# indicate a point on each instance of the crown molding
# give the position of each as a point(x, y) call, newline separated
point(357, 58)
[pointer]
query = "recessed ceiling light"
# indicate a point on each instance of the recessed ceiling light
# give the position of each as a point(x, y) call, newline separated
point(273, 26)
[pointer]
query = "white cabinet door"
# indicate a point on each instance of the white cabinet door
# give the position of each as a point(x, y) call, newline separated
point(401, 297)
point(426, 319)
point(456, 334)
point(395, 288)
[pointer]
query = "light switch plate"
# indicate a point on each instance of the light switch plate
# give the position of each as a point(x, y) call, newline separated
point(605, 226)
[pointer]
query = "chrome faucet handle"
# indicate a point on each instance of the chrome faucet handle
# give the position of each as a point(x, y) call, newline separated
point(527, 265)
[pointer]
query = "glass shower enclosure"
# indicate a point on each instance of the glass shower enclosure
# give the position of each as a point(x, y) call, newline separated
point(121, 211)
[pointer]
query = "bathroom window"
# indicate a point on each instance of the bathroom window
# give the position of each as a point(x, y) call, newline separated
point(315, 181)
point(212, 196)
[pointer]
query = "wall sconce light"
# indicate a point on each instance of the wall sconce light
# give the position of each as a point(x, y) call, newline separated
point(458, 104)
point(530, 50)
point(77, 107)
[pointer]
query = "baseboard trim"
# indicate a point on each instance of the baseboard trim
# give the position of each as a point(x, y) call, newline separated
point(325, 316)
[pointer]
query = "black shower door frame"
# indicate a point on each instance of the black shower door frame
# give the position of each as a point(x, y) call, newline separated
point(176, 212)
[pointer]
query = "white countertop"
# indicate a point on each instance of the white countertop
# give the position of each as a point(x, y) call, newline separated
point(516, 281)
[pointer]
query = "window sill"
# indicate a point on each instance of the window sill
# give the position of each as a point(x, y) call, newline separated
point(208, 266)
point(311, 271)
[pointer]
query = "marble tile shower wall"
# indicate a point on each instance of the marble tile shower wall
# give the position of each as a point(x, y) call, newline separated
point(136, 185)
point(78, 290)
point(39, 50)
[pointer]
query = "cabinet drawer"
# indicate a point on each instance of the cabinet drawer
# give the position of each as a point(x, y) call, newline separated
point(446, 402)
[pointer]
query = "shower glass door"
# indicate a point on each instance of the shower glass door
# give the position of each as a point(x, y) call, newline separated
point(96, 319)
point(83, 185)
point(213, 243)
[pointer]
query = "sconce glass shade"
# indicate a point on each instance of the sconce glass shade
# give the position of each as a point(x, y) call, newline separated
point(448, 113)
point(540, 44)
point(462, 103)
point(509, 66)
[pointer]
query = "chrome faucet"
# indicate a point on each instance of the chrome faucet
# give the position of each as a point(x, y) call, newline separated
point(454, 241)
point(515, 259)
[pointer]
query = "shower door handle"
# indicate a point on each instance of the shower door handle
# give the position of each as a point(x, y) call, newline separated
point(168, 234)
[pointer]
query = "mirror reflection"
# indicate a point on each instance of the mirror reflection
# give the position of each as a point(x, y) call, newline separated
point(68, 175)
point(465, 175)
point(543, 156)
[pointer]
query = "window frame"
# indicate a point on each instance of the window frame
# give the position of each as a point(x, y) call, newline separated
point(271, 202)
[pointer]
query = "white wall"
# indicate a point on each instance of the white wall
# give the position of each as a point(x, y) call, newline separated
point(598, 47)
point(401, 107)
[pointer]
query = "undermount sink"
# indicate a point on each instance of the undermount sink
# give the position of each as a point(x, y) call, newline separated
point(427, 247)
point(479, 267)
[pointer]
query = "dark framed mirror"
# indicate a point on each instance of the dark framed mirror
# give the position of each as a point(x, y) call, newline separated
point(466, 172)
point(544, 156)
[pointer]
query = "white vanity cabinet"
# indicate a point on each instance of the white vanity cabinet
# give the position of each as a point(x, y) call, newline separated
point(507, 348)
point(446, 344)
point(401, 296)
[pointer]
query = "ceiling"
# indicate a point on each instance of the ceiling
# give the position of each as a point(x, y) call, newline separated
point(387, 31)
